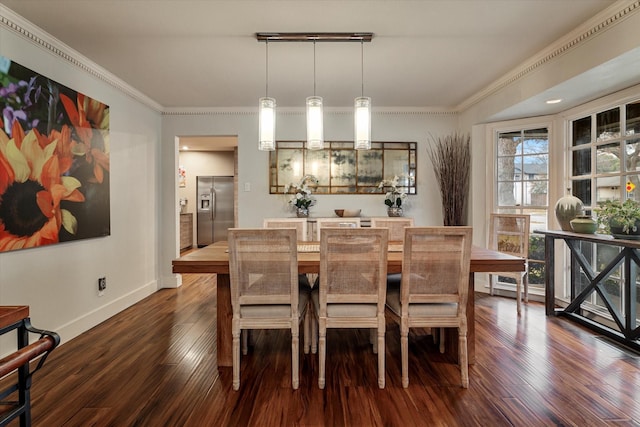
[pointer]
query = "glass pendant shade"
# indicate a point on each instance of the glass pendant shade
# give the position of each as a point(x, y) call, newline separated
point(362, 114)
point(315, 130)
point(267, 124)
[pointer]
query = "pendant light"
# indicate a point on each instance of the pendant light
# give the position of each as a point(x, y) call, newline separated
point(267, 114)
point(362, 113)
point(315, 128)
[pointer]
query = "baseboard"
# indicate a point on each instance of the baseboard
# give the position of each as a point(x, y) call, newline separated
point(83, 323)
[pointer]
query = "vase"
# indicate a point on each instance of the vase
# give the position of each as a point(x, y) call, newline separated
point(567, 208)
point(394, 211)
point(302, 212)
point(584, 224)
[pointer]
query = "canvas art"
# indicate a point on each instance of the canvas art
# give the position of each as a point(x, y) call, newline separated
point(54, 161)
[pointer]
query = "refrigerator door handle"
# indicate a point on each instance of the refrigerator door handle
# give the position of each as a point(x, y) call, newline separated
point(213, 204)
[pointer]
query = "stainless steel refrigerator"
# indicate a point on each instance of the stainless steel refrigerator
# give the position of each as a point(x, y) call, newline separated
point(215, 208)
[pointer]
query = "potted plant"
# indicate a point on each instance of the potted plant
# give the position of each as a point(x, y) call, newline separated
point(620, 219)
point(301, 197)
point(393, 198)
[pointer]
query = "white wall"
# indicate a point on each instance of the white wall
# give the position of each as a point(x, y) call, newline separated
point(253, 167)
point(59, 282)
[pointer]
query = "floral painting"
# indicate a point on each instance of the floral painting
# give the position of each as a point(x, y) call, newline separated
point(54, 161)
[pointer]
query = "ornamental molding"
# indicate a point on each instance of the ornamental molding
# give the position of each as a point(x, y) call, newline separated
point(595, 26)
point(611, 16)
point(15, 23)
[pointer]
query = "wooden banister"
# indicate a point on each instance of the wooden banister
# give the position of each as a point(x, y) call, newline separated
point(25, 355)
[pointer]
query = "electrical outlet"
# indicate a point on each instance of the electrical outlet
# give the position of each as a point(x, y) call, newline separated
point(102, 285)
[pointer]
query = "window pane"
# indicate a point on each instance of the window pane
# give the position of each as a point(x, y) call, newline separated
point(536, 141)
point(635, 183)
point(535, 193)
point(509, 144)
point(581, 188)
point(509, 168)
point(582, 162)
point(582, 131)
point(507, 192)
point(608, 158)
point(536, 269)
point(632, 154)
point(535, 167)
point(607, 188)
point(608, 124)
point(633, 118)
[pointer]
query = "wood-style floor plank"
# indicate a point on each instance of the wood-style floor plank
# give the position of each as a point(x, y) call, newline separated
point(154, 365)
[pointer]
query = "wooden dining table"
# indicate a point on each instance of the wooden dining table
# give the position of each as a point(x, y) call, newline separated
point(215, 259)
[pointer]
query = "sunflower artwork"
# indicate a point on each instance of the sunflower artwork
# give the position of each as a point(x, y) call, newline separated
point(54, 161)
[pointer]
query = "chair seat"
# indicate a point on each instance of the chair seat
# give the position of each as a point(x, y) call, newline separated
point(420, 310)
point(344, 309)
point(273, 311)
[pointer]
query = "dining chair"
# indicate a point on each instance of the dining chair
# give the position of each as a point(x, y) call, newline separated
point(352, 288)
point(434, 288)
point(263, 273)
point(509, 234)
point(396, 228)
point(336, 222)
point(300, 224)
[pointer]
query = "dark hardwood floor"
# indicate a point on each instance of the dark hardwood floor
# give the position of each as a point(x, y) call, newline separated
point(152, 365)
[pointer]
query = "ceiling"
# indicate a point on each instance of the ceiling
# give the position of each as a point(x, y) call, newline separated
point(433, 54)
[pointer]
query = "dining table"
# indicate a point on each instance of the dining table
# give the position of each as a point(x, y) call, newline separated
point(214, 259)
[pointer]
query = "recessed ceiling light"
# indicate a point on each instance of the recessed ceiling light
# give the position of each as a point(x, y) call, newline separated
point(184, 147)
point(554, 101)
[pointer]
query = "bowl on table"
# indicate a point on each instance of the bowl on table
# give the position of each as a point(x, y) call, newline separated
point(345, 213)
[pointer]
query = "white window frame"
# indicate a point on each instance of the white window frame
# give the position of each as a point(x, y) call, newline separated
point(491, 134)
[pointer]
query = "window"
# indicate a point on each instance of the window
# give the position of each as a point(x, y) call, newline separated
point(522, 184)
point(605, 156)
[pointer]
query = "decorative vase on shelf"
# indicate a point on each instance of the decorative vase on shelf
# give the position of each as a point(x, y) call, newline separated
point(302, 212)
point(394, 211)
point(584, 224)
point(567, 208)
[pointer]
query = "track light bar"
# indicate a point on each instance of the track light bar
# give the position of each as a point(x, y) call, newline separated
point(314, 37)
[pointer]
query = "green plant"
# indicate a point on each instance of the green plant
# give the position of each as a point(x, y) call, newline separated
point(623, 214)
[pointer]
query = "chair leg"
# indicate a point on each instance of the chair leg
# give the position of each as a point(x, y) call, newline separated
point(441, 336)
point(373, 340)
point(462, 357)
point(295, 356)
point(307, 330)
point(236, 357)
point(525, 281)
point(314, 333)
point(518, 295)
point(244, 336)
point(381, 364)
point(322, 352)
point(404, 350)
point(491, 278)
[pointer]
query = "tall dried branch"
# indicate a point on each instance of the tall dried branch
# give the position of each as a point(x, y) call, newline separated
point(451, 159)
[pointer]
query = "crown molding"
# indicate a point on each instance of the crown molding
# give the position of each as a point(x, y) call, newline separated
point(611, 16)
point(294, 111)
point(15, 23)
